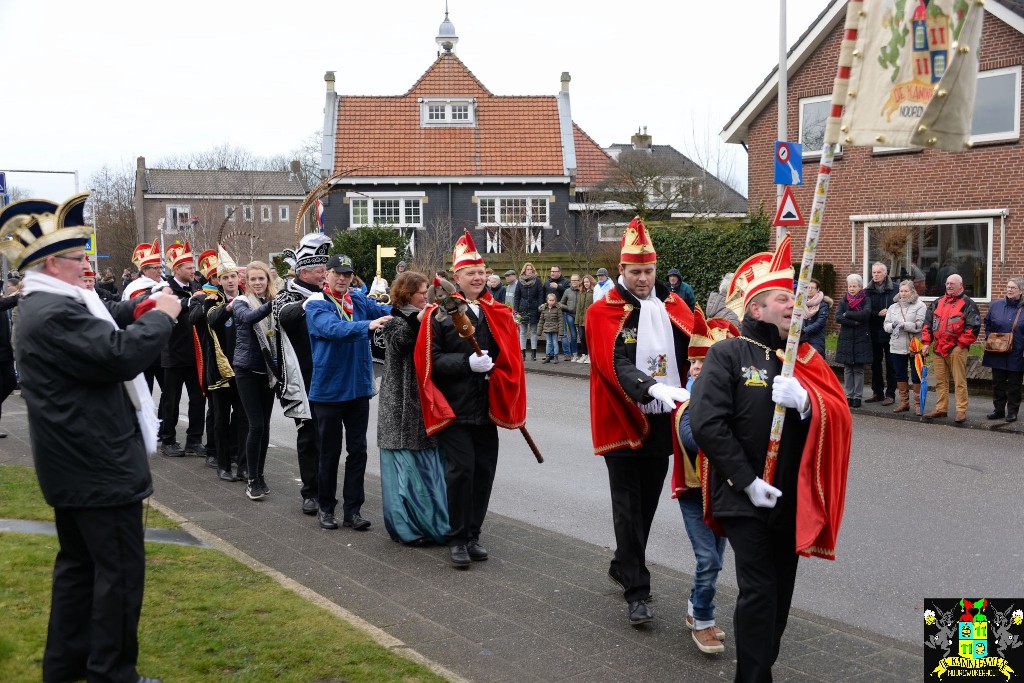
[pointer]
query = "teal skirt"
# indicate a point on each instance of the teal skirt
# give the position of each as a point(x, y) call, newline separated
point(414, 495)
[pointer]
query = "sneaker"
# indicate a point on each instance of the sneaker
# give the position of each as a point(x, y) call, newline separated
point(586, 359)
point(172, 450)
point(253, 490)
point(309, 506)
point(547, 359)
point(719, 633)
point(567, 357)
point(706, 641)
point(575, 358)
point(195, 450)
point(263, 485)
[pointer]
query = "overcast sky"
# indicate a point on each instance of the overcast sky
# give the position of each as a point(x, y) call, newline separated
point(91, 83)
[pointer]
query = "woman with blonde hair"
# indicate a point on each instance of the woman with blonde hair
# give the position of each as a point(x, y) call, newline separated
point(904, 320)
point(583, 302)
point(255, 368)
point(528, 299)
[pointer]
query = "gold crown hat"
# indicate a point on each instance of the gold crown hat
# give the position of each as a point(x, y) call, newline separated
point(225, 264)
point(178, 254)
point(761, 272)
point(33, 229)
point(465, 254)
point(707, 333)
point(637, 248)
point(147, 255)
point(207, 263)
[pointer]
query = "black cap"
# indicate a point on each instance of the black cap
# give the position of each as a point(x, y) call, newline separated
point(340, 264)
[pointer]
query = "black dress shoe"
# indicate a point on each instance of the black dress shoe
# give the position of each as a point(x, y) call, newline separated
point(225, 475)
point(459, 556)
point(856, 403)
point(327, 520)
point(995, 415)
point(3, 435)
point(876, 398)
point(614, 577)
point(1011, 417)
point(477, 552)
point(357, 523)
point(172, 450)
point(640, 613)
point(195, 449)
point(309, 506)
point(211, 461)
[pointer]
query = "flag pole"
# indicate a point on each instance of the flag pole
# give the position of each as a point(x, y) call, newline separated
point(854, 12)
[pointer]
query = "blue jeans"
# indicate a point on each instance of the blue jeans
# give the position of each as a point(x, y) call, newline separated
point(569, 340)
point(551, 344)
point(709, 549)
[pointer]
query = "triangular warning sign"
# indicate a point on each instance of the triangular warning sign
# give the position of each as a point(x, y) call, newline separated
point(788, 215)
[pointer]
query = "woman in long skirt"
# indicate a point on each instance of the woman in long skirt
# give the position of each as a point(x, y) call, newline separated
point(411, 464)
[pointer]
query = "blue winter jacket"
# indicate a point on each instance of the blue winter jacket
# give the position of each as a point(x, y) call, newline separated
point(999, 318)
point(342, 366)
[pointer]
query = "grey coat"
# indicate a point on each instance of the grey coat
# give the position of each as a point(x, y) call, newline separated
point(899, 313)
point(399, 416)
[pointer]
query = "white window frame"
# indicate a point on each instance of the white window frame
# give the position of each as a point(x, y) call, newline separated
point(266, 213)
point(248, 213)
point(174, 211)
point(616, 236)
point(812, 153)
point(529, 195)
point(283, 213)
point(947, 218)
point(1010, 134)
point(447, 119)
point(231, 212)
point(404, 199)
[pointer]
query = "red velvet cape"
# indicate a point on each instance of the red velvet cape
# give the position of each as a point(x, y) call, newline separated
point(506, 390)
point(821, 482)
point(616, 421)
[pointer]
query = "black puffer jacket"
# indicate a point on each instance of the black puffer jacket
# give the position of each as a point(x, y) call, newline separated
point(248, 352)
point(86, 443)
point(529, 297)
point(881, 297)
point(465, 390)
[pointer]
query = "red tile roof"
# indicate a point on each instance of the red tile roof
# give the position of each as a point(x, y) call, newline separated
point(513, 136)
point(592, 163)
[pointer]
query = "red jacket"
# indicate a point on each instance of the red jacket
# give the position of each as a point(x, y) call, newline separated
point(951, 321)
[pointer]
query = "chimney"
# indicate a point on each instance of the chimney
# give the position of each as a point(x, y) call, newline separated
point(329, 79)
point(565, 81)
point(641, 140)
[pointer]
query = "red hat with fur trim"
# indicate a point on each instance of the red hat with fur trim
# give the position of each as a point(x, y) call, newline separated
point(637, 248)
point(465, 254)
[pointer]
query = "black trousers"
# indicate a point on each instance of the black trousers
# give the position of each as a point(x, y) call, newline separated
point(347, 419)
point(1006, 390)
point(174, 378)
point(230, 426)
point(211, 430)
point(8, 380)
point(636, 483)
point(882, 384)
point(472, 453)
point(98, 581)
point(257, 400)
point(766, 573)
point(307, 448)
point(155, 372)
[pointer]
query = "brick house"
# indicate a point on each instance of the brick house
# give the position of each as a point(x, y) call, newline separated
point(960, 212)
point(449, 154)
point(251, 212)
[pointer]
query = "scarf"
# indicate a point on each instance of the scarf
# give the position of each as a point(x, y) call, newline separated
point(655, 348)
point(811, 305)
point(291, 390)
point(854, 302)
point(138, 391)
point(528, 280)
point(263, 330)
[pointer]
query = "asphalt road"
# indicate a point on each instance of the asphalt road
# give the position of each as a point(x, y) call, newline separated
point(931, 510)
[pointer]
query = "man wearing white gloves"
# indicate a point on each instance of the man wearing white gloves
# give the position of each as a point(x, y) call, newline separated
point(637, 335)
point(731, 414)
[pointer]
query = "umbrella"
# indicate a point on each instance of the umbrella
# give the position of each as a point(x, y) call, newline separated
point(922, 370)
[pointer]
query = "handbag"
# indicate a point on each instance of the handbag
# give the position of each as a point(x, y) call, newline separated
point(1001, 342)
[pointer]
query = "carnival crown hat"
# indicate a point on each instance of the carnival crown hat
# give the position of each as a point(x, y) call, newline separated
point(465, 254)
point(707, 333)
point(761, 272)
point(147, 255)
point(33, 229)
point(207, 263)
point(178, 254)
point(312, 251)
point(637, 248)
point(225, 264)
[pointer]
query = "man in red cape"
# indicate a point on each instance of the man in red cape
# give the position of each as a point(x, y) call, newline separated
point(769, 525)
point(466, 396)
point(637, 335)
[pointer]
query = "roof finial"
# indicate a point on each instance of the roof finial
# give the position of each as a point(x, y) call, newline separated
point(446, 37)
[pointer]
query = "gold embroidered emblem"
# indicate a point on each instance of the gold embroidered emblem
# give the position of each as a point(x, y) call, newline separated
point(755, 377)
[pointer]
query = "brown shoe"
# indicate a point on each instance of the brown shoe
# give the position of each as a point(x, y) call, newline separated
point(706, 641)
point(719, 633)
point(888, 401)
point(960, 417)
point(935, 414)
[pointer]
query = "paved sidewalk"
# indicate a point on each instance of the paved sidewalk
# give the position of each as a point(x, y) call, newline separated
point(541, 609)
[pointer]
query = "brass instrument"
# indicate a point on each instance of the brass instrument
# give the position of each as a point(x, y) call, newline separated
point(380, 297)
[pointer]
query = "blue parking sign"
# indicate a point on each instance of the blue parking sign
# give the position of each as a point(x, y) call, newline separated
point(789, 160)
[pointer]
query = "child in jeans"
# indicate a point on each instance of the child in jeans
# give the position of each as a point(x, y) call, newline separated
point(550, 324)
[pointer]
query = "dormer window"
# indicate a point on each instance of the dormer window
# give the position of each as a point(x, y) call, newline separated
point(447, 112)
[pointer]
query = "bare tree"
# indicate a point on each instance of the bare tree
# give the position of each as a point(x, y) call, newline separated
point(219, 157)
point(18, 193)
point(589, 251)
point(113, 211)
point(434, 245)
point(307, 153)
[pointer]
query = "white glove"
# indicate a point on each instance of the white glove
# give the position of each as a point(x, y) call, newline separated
point(788, 392)
point(762, 494)
point(670, 396)
point(480, 363)
point(319, 296)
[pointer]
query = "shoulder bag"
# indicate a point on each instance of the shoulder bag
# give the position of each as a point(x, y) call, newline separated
point(1001, 342)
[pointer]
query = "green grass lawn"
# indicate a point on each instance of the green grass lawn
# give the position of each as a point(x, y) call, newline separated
point(206, 617)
